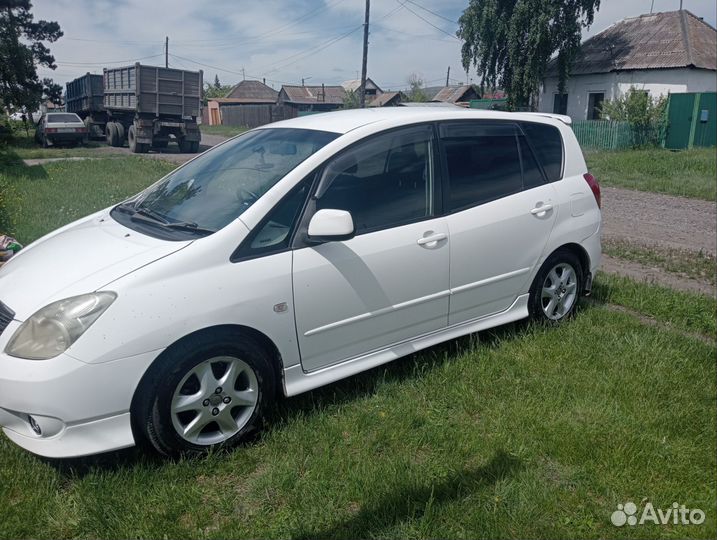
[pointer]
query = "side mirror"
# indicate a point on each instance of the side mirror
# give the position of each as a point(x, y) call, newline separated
point(329, 225)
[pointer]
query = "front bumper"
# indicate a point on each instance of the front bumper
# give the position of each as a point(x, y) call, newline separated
point(79, 408)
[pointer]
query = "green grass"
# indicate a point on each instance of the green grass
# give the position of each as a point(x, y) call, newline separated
point(226, 131)
point(25, 147)
point(696, 265)
point(688, 173)
point(45, 197)
point(690, 312)
point(523, 432)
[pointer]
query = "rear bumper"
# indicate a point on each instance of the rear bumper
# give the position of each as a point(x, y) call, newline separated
point(65, 137)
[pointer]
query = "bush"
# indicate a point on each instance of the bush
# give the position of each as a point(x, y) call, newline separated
point(647, 116)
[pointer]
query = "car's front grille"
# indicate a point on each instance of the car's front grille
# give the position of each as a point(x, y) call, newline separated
point(6, 315)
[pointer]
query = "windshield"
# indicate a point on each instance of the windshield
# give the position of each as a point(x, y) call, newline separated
point(62, 117)
point(216, 188)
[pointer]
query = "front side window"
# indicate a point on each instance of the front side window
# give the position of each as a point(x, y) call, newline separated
point(383, 182)
point(213, 190)
point(483, 163)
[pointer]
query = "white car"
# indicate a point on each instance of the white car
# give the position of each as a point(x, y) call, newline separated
point(289, 257)
point(60, 128)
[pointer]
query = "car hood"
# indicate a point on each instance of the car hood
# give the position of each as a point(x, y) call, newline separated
point(80, 258)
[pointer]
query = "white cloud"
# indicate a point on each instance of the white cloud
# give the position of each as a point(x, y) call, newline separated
point(282, 40)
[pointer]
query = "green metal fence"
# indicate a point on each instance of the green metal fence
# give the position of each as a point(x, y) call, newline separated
point(603, 135)
point(692, 120)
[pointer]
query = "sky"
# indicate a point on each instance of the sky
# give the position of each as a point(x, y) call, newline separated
point(284, 41)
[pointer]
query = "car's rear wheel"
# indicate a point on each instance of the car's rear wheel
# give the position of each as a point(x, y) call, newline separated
point(557, 288)
point(212, 391)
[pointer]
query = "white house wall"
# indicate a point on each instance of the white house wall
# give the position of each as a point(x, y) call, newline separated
point(657, 82)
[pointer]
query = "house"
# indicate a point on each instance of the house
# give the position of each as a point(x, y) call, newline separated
point(241, 95)
point(660, 53)
point(306, 99)
point(456, 94)
point(372, 89)
point(388, 99)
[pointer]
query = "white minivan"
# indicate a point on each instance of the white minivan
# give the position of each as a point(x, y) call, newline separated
point(284, 259)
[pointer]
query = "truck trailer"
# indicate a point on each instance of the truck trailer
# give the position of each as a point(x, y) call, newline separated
point(146, 105)
point(84, 96)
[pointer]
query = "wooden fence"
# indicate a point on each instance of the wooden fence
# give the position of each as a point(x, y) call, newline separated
point(252, 116)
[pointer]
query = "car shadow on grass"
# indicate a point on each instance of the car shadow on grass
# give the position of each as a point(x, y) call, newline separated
point(382, 515)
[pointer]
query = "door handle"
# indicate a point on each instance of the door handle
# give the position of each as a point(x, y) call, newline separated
point(541, 209)
point(431, 239)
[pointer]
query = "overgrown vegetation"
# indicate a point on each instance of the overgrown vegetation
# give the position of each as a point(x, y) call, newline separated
point(696, 265)
point(22, 49)
point(688, 173)
point(416, 89)
point(647, 116)
point(510, 42)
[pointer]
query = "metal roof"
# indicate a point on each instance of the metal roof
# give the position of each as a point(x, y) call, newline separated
point(671, 39)
point(314, 94)
point(251, 92)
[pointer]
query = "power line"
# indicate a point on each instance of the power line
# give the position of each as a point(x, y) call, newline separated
point(225, 70)
point(431, 12)
point(131, 60)
point(426, 20)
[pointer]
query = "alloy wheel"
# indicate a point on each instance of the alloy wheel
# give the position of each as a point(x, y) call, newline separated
point(560, 291)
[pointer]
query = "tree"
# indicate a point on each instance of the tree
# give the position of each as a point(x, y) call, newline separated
point(352, 100)
point(217, 84)
point(510, 42)
point(21, 51)
point(212, 91)
point(647, 116)
point(416, 87)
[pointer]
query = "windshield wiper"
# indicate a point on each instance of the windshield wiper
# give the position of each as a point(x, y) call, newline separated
point(189, 227)
point(150, 216)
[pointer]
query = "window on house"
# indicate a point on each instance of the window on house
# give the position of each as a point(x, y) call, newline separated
point(595, 100)
point(560, 104)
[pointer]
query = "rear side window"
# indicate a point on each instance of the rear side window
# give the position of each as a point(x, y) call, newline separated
point(483, 163)
point(548, 145)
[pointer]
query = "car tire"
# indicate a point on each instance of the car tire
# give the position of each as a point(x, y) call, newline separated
point(557, 288)
point(188, 406)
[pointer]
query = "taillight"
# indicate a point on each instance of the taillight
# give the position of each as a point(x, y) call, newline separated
point(80, 130)
point(594, 186)
point(50, 130)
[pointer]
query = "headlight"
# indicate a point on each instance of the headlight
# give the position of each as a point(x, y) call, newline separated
point(53, 329)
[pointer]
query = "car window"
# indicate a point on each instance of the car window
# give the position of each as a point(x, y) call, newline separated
point(483, 162)
point(532, 175)
point(548, 145)
point(217, 187)
point(274, 233)
point(62, 118)
point(383, 182)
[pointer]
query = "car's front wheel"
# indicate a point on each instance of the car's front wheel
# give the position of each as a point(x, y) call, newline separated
point(557, 287)
point(211, 391)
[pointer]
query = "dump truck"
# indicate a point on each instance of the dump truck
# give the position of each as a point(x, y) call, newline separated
point(84, 96)
point(148, 105)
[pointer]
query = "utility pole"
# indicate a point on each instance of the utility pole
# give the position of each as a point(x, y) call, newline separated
point(448, 75)
point(166, 51)
point(365, 57)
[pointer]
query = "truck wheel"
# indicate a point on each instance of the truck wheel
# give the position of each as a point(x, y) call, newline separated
point(120, 134)
point(134, 146)
point(188, 147)
point(111, 133)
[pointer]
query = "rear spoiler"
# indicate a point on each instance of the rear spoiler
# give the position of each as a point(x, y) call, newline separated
point(562, 117)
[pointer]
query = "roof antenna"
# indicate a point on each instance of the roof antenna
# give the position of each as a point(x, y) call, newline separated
point(652, 6)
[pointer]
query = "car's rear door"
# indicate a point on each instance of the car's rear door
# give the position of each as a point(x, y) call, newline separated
point(500, 214)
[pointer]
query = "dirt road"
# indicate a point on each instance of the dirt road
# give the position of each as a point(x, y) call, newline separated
point(653, 219)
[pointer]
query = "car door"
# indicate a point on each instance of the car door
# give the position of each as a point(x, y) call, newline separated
point(501, 211)
point(389, 283)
